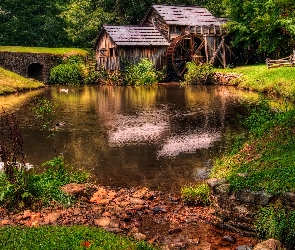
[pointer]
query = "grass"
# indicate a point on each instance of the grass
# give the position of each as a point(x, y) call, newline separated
point(33, 191)
point(11, 82)
point(61, 237)
point(196, 194)
point(259, 78)
point(266, 160)
point(56, 51)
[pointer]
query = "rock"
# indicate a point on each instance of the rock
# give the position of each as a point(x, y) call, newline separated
point(52, 218)
point(74, 189)
point(159, 209)
point(137, 201)
point(103, 221)
point(229, 238)
point(5, 222)
point(213, 182)
point(244, 247)
point(27, 214)
point(139, 236)
point(140, 193)
point(174, 230)
point(270, 244)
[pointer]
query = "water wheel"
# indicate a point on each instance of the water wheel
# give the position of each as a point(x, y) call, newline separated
point(184, 49)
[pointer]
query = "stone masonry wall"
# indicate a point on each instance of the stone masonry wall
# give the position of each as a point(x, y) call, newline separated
point(20, 62)
point(237, 210)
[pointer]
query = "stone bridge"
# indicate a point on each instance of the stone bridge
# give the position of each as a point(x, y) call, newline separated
point(30, 65)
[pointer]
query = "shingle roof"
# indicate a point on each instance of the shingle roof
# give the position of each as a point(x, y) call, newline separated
point(135, 35)
point(186, 15)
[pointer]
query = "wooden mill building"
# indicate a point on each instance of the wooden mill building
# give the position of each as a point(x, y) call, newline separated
point(168, 35)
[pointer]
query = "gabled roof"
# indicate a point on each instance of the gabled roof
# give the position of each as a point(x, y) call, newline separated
point(186, 15)
point(135, 35)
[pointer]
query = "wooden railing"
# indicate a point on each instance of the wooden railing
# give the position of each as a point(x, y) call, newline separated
point(283, 62)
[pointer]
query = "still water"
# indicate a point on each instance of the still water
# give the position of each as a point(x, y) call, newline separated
point(163, 136)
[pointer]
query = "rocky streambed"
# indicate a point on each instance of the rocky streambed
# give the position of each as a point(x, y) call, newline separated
point(159, 218)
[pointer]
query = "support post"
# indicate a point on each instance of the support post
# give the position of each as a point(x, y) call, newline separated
point(223, 52)
point(206, 47)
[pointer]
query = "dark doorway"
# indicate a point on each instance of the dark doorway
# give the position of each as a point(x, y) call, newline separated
point(35, 71)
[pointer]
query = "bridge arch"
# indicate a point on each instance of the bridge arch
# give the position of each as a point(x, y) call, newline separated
point(35, 70)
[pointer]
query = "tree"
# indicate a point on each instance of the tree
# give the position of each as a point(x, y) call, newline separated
point(268, 25)
point(83, 20)
point(32, 23)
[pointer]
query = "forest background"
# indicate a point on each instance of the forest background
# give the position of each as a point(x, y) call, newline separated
point(268, 26)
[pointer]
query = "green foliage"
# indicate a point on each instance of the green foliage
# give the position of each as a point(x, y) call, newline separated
point(260, 117)
point(33, 191)
point(83, 20)
point(197, 194)
point(66, 73)
point(199, 73)
point(266, 25)
point(266, 159)
point(106, 77)
point(64, 238)
point(143, 73)
point(45, 113)
point(276, 223)
point(273, 81)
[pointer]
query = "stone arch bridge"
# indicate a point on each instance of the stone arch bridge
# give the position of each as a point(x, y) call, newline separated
point(30, 65)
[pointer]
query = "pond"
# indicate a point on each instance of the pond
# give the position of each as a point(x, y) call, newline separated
point(161, 137)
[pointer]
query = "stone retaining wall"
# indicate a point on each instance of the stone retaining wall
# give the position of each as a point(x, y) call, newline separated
point(227, 78)
point(31, 65)
point(237, 210)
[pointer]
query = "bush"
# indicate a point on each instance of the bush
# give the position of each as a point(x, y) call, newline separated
point(144, 73)
point(276, 223)
point(199, 73)
point(33, 191)
point(198, 194)
point(66, 73)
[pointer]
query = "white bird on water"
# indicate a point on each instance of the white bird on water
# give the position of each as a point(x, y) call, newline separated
point(63, 90)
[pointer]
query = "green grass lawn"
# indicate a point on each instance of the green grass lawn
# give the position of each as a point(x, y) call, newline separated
point(259, 78)
point(266, 159)
point(74, 51)
point(65, 238)
point(11, 82)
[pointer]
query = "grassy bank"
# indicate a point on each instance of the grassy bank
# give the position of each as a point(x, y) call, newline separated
point(260, 78)
point(61, 237)
point(265, 160)
point(57, 51)
point(11, 82)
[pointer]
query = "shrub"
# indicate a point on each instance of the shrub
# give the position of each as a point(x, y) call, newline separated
point(22, 189)
point(199, 73)
point(66, 73)
point(197, 194)
point(276, 223)
point(143, 73)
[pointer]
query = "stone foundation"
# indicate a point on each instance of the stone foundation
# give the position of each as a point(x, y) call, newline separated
point(237, 210)
point(30, 65)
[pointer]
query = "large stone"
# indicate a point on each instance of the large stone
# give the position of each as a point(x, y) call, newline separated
point(258, 198)
point(103, 221)
point(270, 244)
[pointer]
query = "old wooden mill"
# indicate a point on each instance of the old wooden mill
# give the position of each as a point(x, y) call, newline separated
point(170, 36)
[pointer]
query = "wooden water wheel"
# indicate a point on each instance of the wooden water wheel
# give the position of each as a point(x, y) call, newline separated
point(184, 49)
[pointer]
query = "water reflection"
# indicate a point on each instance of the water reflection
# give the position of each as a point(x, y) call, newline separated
point(162, 136)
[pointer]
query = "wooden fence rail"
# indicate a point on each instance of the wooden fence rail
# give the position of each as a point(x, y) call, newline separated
point(283, 62)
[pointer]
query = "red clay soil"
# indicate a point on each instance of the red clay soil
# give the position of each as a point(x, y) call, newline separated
point(161, 219)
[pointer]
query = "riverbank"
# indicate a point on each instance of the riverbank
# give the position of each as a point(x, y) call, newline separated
point(275, 81)
point(12, 83)
point(160, 219)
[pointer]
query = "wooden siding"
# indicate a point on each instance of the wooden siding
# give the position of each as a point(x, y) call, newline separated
point(134, 54)
point(104, 57)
